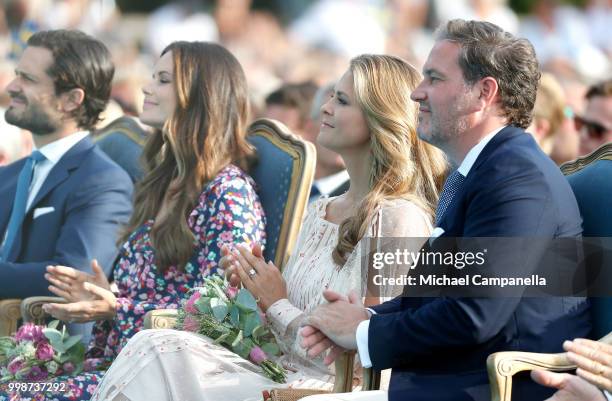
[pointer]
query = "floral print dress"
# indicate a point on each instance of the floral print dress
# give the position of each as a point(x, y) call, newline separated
point(228, 211)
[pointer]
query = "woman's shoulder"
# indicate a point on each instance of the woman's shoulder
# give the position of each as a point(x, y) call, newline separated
point(230, 178)
point(402, 216)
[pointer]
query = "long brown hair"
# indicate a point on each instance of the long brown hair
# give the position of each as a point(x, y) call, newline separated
point(401, 165)
point(204, 134)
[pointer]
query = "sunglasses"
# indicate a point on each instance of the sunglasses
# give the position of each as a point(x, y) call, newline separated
point(594, 130)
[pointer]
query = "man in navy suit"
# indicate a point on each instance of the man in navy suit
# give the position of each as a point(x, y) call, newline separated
point(476, 99)
point(64, 204)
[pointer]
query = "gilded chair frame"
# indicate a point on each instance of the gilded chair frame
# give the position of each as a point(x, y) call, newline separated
point(9, 316)
point(303, 154)
point(501, 366)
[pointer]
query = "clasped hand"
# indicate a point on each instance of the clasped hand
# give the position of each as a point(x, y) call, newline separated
point(89, 296)
point(333, 326)
point(247, 266)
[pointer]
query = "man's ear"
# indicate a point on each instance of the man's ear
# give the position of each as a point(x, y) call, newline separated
point(489, 91)
point(72, 99)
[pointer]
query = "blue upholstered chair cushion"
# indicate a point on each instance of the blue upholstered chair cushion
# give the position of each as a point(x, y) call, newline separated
point(272, 174)
point(593, 189)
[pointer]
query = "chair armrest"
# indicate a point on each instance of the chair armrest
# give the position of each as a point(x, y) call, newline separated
point(501, 366)
point(32, 311)
point(9, 316)
point(160, 319)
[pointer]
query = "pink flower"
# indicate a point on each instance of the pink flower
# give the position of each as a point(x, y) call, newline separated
point(44, 351)
point(231, 292)
point(36, 374)
point(190, 304)
point(68, 367)
point(15, 366)
point(29, 332)
point(257, 356)
point(190, 324)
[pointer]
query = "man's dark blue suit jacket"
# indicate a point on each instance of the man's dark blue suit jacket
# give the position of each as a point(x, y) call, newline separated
point(91, 197)
point(438, 347)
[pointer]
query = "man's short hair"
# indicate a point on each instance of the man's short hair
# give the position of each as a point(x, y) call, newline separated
point(603, 88)
point(298, 96)
point(79, 61)
point(488, 51)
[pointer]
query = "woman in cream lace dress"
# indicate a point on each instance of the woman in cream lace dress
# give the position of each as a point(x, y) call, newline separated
point(371, 122)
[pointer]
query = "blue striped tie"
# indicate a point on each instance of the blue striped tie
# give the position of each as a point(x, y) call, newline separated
point(451, 186)
point(21, 200)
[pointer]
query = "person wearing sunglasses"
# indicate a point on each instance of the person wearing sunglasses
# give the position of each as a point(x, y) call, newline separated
point(595, 125)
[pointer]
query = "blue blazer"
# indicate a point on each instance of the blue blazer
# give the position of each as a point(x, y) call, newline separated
point(438, 347)
point(91, 197)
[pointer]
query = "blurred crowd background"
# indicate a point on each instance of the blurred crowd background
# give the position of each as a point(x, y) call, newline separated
point(291, 48)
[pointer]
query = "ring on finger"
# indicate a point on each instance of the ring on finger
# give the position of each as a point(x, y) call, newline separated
point(252, 273)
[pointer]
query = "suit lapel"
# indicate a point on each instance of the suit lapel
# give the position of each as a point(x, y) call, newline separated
point(505, 134)
point(58, 174)
point(61, 171)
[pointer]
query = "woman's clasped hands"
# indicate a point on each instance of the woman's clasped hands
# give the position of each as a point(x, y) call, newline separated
point(89, 296)
point(246, 266)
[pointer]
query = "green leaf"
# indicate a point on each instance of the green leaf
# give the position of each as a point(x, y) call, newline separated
point(53, 324)
point(258, 331)
point(203, 305)
point(238, 339)
point(252, 321)
point(242, 350)
point(55, 338)
point(270, 349)
point(219, 309)
point(222, 338)
point(246, 300)
point(71, 341)
point(234, 315)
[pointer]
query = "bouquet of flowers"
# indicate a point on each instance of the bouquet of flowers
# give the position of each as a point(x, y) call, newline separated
point(230, 317)
point(36, 353)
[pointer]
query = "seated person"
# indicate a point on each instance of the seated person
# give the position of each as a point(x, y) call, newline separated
point(370, 121)
point(192, 200)
point(66, 202)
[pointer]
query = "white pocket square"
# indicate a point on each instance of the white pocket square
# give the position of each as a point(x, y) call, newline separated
point(43, 210)
point(435, 234)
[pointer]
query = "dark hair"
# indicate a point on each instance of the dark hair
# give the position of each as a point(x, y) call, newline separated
point(79, 61)
point(206, 132)
point(298, 96)
point(603, 88)
point(488, 51)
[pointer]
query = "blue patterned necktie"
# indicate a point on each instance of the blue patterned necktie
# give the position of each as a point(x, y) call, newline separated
point(21, 200)
point(451, 186)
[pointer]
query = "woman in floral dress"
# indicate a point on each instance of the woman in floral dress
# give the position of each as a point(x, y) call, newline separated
point(395, 178)
point(192, 201)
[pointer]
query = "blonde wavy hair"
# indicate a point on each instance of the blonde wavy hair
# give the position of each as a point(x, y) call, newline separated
point(401, 165)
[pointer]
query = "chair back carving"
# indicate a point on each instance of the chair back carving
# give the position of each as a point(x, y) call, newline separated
point(283, 174)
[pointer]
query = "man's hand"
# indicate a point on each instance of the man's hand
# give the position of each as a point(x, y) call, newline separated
point(571, 388)
point(102, 306)
point(336, 320)
point(594, 361)
point(68, 283)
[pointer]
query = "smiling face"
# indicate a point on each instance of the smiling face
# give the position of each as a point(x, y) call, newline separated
point(343, 124)
point(159, 94)
point(34, 105)
point(445, 99)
